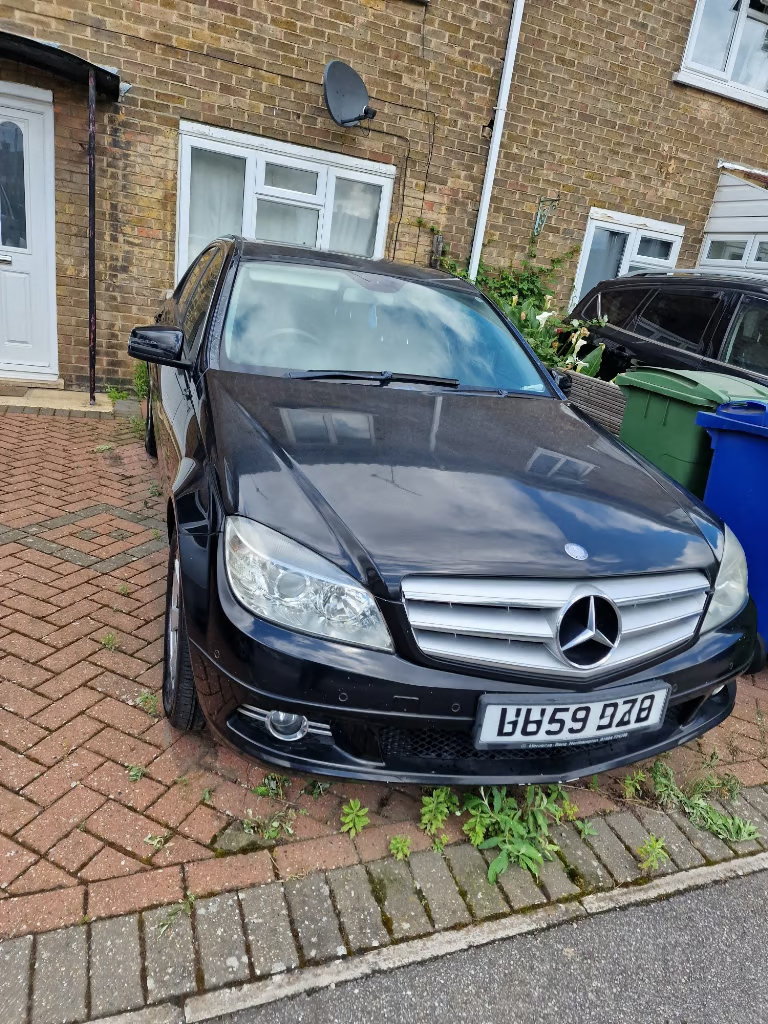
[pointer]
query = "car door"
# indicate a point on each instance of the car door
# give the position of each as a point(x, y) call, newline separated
point(673, 327)
point(745, 346)
point(619, 306)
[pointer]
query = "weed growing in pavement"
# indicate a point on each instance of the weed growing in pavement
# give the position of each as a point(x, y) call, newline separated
point(156, 535)
point(316, 789)
point(123, 589)
point(354, 818)
point(435, 809)
point(157, 842)
point(136, 772)
point(272, 826)
point(207, 797)
point(400, 847)
point(116, 394)
point(697, 807)
point(570, 811)
point(183, 906)
point(137, 425)
point(633, 784)
point(585, 829)
point(653, 853)
point(109, 642)
point(272, 786)
point(154, 490)
point(103, 448)
point(594, 784)
point(148, 702)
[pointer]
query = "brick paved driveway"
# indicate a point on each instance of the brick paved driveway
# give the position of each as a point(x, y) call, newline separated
point(82, 579)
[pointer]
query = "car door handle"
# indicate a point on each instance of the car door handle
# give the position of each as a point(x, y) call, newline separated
point(5, 259)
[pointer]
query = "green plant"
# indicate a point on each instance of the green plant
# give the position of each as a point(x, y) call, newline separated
point(272, 826)
point(141, 381)
point(157, 842)
point(249, 825)
point(584, 828)
point(148, 702)
point(136, 772)
point(400, 847)
point(594, 784)
point(354, 818)
point(570, 810)
point(109, 642)
point(653, 853)
point(116, 394)
point(103, 448)
point(183, 906)
point(137, 425)
point(154, 490)
point(272, 786)
point(123, 589)
point(316, 789)
point(633, 784)
point(435, 809)
point(207, 796)
point(695, 805)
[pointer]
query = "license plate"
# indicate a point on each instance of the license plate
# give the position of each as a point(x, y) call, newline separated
point(557, 721)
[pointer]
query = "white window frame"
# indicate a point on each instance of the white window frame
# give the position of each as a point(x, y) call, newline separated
point(257, 152)
point(636, 228)
point(710, 79)
point(747, 261)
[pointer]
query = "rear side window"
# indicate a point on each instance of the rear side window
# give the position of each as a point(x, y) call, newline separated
point(619, 305)
point(747, 342)
point(678, 317)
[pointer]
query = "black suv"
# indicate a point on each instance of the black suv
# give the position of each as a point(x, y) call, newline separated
point(690, 320)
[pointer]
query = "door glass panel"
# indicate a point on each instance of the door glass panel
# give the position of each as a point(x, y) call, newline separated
point(605, 256)
point(747, 344)
point(727, 249)
point(355, 217)
point(761, 256)
point(13, 215)
point(678, 317)
point(751, 67)
point(655, 248)
point(281, 222)
point(292, 178)
point(619, 305)
point(216, 190)
point(716, 28)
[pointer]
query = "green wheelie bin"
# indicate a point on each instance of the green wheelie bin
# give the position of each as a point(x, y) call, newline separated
point(660, 417)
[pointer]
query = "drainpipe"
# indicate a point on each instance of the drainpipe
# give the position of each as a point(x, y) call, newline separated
point(498, 128)
point(92, 235)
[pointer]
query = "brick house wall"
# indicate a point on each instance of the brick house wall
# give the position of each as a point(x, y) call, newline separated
point(593, 115)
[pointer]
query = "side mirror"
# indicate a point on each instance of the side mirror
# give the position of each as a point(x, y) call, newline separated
point(158, 344)
point(563, 381)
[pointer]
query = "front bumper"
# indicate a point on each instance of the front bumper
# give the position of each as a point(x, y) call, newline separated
point(385, 717)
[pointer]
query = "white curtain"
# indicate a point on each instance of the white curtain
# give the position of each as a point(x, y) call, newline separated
point(355, 217)
point(216, 189)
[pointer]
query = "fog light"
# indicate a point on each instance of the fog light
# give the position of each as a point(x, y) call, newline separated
point(285, 726)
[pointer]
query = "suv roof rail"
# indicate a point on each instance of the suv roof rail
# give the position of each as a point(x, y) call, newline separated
point(700, 272)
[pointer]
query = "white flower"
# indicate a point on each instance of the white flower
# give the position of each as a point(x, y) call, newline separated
point(543, 317)
point(578, 345)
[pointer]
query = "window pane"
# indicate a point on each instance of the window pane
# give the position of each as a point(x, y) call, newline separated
point(656, 248)
point(728, 249)
point(761, 256)
point(13, 216)
point(355, 217)
point(280, 222)
point(197, 309)
point(605, 256)
point(751, 67)
point(747, 344)
point(677, 317)
point(291, 178)
point(215, 198)
point(713, 40)
point(619, 305)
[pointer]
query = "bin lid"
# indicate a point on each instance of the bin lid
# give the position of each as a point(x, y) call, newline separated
point(749, 417)
point(697, 387)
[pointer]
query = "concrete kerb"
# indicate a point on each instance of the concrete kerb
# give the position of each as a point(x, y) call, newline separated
point(210, 1005)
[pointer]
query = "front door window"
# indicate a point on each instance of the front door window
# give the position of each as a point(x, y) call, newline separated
point(13, 209)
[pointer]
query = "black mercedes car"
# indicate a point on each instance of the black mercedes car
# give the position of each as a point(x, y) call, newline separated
point(397, 551)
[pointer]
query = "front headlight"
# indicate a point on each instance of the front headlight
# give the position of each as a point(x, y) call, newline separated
point(280, 580)
point(731, 584)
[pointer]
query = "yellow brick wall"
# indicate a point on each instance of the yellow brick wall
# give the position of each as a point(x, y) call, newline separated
point(593, 115)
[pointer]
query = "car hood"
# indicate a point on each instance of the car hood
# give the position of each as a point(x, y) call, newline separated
point(389, 481)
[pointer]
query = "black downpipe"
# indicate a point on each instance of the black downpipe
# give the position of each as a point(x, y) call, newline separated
point(92, 234)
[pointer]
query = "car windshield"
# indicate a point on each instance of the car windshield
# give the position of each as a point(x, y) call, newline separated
point(285, 317)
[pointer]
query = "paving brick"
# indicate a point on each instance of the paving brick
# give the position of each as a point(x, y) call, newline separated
point(179, 850)
point(220, 940)
point(314, 918)
point(435, 881)
point(373, 843)
point(268, 929)
point(108, 863)
point(21, 701)
point(119, 747)
point(14, 860)
point(632, 834)
point(17, 771)
point(581, 859)
point(357, 909)
point(65, 682)
point(182, 798)
point(471, 873)
point(739, 807)
point(58, 780)
point(123, 828)
point(24, 647)
point(134, 892)
point(40, 878)
point(709, 846)
point(122, 716)
point(169, 954)
point(29, 625)
point(60, 818)
point(203, 824)
point(66, 708)
point(223, 873)
point(61, 742)
point(315, 855)
point(15, 967)
point(612, 852)
point(18, 734)
point(22, 672)
point(115, 966)
point(41, 912)
point(114, 661)
point(60, 981)
point(62, 636)
point(68, 656)
point(518, 886)
point(114, 781)
point(682, 852)
point(756, 796)
point(15, 812)
point(394, 889)
point(74, 851)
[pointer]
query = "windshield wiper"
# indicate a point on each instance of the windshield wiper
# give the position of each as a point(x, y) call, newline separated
point(382, 378)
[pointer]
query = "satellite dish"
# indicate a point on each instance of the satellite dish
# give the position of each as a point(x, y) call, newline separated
point(345, 95)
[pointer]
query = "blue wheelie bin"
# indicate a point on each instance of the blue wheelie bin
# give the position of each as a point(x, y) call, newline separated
point(737, 488)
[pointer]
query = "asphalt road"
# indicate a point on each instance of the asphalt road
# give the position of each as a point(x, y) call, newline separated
point(699, 958)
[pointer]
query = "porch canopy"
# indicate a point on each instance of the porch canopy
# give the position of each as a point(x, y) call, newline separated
point(50, 57)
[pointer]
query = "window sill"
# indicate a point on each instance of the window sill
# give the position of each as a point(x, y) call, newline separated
point(730, 90)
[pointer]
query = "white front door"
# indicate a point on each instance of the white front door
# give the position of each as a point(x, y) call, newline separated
point(28, 348)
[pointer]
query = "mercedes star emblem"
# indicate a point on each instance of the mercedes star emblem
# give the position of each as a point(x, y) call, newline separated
point(589, 631)
point(576, 551)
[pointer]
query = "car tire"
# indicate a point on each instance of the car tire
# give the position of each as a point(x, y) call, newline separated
point(180, 703)
point(150, 444)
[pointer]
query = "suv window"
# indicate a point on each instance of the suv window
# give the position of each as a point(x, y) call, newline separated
point(191, 280)
point(678, 317)
point(619, 305)
point(193, 317)
point(747, 342)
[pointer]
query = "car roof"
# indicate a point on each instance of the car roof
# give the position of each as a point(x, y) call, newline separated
point(252, 250)
point(720, 278)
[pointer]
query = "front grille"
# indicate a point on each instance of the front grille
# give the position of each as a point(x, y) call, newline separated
point(512, 623)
